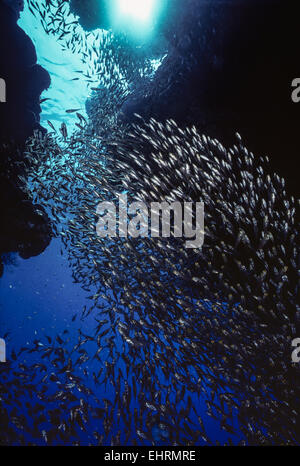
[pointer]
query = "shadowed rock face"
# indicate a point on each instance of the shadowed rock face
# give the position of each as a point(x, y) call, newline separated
point(229, 68)
point(92, 13)
point(25, 80)
point(24, 227)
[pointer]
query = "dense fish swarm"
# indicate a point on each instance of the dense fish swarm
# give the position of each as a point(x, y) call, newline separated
point(188, 333)
point(186, 343)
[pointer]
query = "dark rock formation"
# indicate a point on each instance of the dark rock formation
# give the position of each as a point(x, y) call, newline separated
point(229, 68)
point(25, 80)
point(92, 13)
point(24, 227)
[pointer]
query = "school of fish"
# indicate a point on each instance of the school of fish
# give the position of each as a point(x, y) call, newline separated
point(189, 346)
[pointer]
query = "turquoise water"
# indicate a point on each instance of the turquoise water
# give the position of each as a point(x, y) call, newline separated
point(69, 88)
point(64, 66)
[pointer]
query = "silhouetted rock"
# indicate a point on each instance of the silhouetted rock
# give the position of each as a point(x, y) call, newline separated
point(229, 68)
point(24, 228)
point(25, 80)
point(92, 14)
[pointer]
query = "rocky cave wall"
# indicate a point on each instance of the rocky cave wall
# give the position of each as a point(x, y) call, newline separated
point(24, 228)
point(230, 66)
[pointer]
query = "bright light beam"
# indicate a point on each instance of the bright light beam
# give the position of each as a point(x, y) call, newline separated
point(140, 10)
